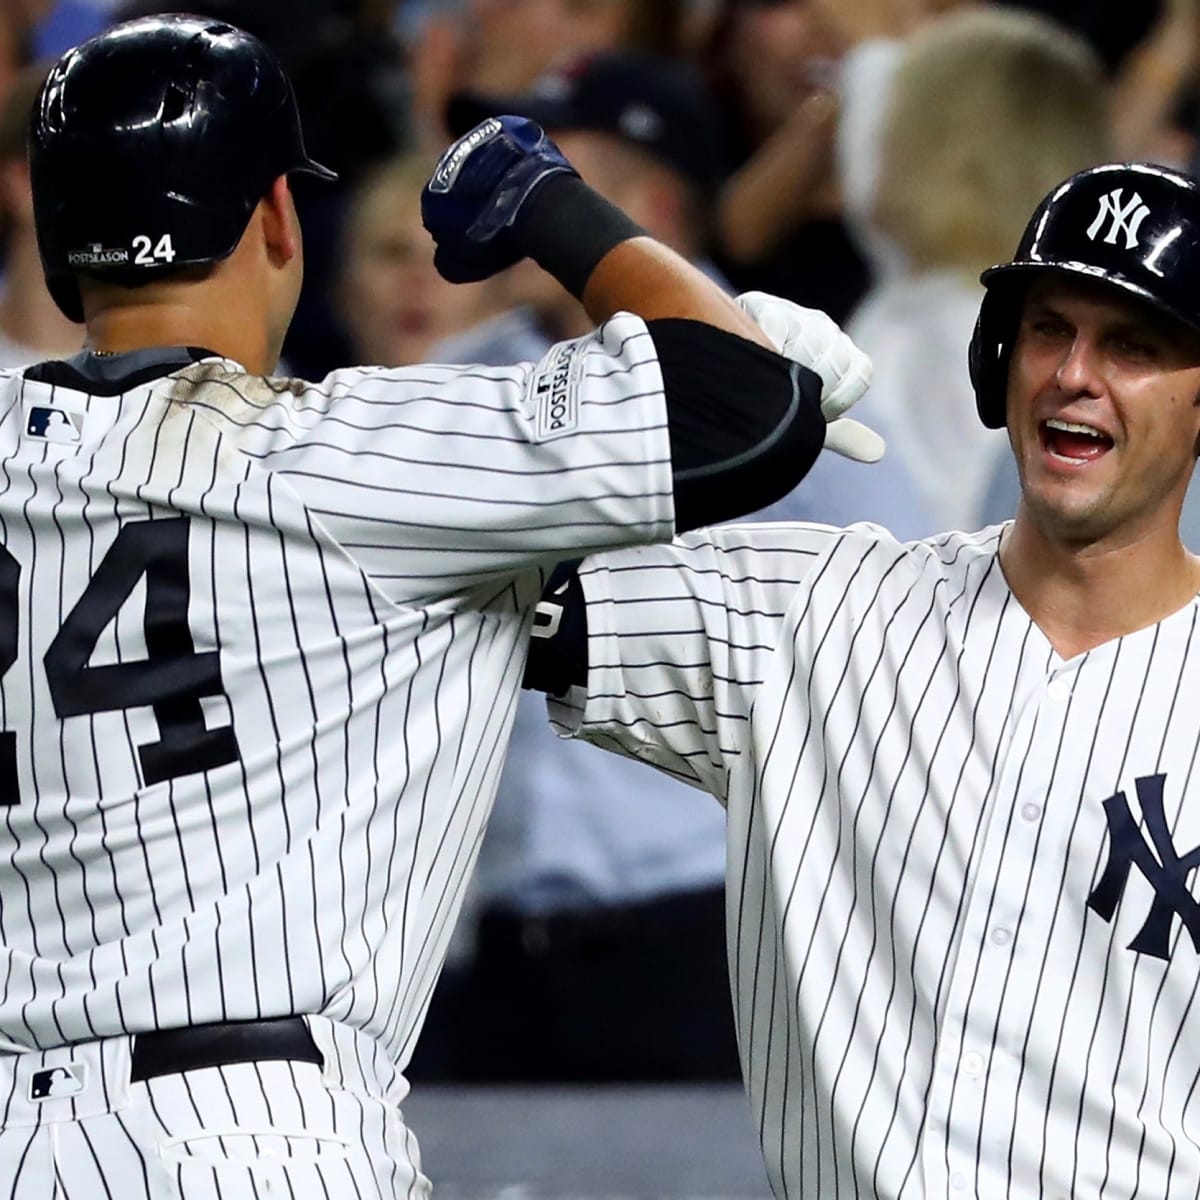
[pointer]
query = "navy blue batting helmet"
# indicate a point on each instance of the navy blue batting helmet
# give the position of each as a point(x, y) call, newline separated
point(1132, 226)
point(150, 146)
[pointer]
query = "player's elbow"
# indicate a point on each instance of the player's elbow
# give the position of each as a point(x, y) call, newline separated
point(729, 459)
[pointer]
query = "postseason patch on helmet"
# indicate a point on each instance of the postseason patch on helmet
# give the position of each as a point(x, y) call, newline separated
point(554, 389)
point(96, 255)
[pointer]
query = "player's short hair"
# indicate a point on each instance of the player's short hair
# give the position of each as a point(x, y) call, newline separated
point(403, 175)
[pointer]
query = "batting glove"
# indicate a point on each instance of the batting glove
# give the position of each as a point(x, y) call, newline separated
point(813, 339)
point(476, 192)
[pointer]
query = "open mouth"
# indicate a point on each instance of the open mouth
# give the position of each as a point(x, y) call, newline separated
point(1072, 442)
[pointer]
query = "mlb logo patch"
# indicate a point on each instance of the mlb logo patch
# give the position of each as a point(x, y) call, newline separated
point(51, 424)
point(56, 1082)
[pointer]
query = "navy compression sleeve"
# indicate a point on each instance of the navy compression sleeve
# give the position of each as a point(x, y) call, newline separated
point(745, 423)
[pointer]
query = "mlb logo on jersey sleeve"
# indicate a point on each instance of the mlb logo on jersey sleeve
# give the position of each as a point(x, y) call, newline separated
point(52, 427)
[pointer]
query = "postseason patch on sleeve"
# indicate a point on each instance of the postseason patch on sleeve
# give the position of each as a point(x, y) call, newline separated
point(554, 388)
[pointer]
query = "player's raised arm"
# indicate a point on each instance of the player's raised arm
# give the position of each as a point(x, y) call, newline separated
point(746, 421)
point(504, 192)
point(558, 654)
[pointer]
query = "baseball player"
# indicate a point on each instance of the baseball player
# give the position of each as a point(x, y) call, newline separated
point(960, 773)
point(260, 639)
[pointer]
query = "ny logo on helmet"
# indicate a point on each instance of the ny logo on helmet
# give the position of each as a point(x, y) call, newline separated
point(1123, 218)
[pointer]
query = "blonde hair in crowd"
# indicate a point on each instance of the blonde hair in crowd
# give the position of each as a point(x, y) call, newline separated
point(989, 110)
point(383, 184)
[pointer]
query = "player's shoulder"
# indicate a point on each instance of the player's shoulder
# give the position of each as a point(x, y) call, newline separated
point(12, 380)
point(808, 549)
point(866, 552)
point(880, 569)
point(862, 569)
point(939, 553)
point(860, 534)
point(956, 548)
point(226, 390)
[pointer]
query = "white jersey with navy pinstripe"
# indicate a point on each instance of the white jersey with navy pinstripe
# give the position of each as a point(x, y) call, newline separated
point(963, 927)
point(260, 644)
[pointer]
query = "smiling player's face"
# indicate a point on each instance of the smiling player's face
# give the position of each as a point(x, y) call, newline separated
point(1102, 411)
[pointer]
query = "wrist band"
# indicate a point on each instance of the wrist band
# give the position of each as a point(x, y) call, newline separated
point(567, 228)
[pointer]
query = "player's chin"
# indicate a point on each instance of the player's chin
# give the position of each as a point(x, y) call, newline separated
point(1073, 483)
point(1069, 511)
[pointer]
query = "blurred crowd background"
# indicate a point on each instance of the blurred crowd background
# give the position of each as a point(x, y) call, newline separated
point(865, 157)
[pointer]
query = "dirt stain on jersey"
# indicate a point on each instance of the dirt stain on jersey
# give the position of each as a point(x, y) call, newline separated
point(232, 391)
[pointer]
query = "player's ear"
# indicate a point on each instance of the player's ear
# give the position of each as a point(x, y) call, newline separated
point(281, 225)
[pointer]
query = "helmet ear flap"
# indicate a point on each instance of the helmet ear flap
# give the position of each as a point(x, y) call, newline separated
point(975, 368)
point(990, 352)
point(65, 292)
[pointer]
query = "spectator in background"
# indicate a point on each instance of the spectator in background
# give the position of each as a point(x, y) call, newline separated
point(599, 944)
point(987, 109)
point(31, 326)
point(631, 118)
point(1113, 28)
point(1151, 52)
point(772, 65)
point(1156, 88)
point(57, 25)
point(18, 19)
point(502, 46)
point(389, 300)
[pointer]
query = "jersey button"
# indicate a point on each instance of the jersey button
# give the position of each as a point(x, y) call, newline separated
point(1031, 812)
point(1059, 690)
point(958, 1181)
point(972, 1065)
point(1001, 937)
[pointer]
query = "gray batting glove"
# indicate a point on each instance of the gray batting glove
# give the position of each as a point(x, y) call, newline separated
point(813, 339)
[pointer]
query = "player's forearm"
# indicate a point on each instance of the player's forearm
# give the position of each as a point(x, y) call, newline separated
point(645, 277)
point(504, 192)
point(598, 254)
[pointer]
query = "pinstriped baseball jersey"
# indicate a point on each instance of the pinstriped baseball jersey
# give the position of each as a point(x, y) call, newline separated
point(74, 1127)
point(963, 932)
point(260, 644)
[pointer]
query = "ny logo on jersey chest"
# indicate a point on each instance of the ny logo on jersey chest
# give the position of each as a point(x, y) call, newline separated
point(1164, 868)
